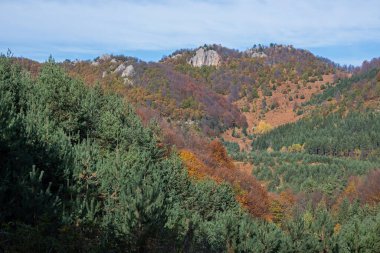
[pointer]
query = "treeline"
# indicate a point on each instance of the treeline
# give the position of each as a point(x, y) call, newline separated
point(355, 134)
point(79, 173)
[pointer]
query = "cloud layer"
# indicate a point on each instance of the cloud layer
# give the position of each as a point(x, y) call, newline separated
point(84, 27)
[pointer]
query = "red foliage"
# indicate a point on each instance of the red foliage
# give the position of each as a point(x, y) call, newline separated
point(219, 153)
point(369, 189)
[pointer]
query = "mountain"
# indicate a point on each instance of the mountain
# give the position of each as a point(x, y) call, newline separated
point(211, 149)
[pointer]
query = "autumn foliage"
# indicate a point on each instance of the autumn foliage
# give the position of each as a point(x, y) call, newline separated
point(366, 189)
point(219, 154)
point(369, 189)
point(214, 163)
point(195, 167)
point(263, 128)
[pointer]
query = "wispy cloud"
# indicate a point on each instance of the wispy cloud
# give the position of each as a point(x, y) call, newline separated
point(88, 27)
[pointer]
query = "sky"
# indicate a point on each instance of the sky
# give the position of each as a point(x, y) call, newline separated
point(345, 31)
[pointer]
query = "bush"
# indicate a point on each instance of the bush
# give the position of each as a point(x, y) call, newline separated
point(263, 128)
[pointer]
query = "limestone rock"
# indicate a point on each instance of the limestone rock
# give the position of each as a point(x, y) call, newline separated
point(259, 55)
point(128, 71)
point(176, 56)
point(204, 57)
point(255, 54)
point(120, 69)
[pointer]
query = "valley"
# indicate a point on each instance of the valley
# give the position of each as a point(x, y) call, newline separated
point(207, 150)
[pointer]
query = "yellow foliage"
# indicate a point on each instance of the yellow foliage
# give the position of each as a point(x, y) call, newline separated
point(308, 217)
point(295, 148)
point(241, 195)
point(357, 152)
point(193, 164)
point(284, 149)
point(351, 188)
point(277, 212)
point(337, 228)
point(270, 150)
point(263, 128)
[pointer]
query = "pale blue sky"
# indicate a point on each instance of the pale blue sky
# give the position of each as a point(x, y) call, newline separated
point(346, 31)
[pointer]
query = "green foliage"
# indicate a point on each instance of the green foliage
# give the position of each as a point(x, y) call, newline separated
point(232, 147)
point(343, 86)
point(78, 165)
point(79, 173)
point(189, 102)
point(306, 173)
point(354, 135)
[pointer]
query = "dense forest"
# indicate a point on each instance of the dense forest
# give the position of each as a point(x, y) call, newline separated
point(354, 134)
point(93, 164)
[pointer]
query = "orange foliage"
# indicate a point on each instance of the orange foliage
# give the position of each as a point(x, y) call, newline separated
point(337, 228)
point(242, 198)
point(249, 193)
point(350, 192)
point(194, 166)
point(220, 155)
point(281, 207)
point(367, 190)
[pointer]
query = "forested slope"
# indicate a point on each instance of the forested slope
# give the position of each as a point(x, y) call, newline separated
point(355, 134)
point(80, 173)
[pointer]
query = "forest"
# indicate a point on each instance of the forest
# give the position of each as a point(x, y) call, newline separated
point(82, 171)
point(355, 134)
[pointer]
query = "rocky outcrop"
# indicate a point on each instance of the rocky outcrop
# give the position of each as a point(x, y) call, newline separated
point(120, 69)
point(128, 71)
point(176, 56)
point(125, 72)
point(204, 57)
point(255, 54)
point(259, 55)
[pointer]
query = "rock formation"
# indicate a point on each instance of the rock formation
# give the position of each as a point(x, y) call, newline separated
point(255, 54)
point(204, 57)
point(120, 69)
point(128, 71)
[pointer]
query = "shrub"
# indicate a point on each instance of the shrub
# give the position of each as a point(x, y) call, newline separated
point(263, 128)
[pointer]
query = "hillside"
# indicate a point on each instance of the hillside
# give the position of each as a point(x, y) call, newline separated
point(271, 149)
point(360, 92)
